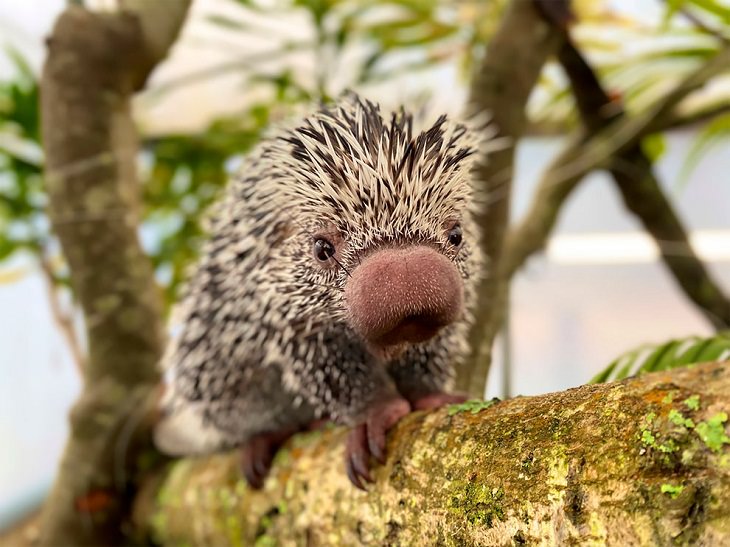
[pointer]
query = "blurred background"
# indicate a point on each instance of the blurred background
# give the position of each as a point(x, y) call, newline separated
point(597, 290)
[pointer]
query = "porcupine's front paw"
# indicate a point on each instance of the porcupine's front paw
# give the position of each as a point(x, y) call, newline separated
point(437, 400)
point(258, 453)
point(368, 439)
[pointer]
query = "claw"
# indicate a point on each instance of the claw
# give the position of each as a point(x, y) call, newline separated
point(263, 456)
point(257, 454)
point(248, 466)
point(353, 476)
point(357, 455)
point(369, 439)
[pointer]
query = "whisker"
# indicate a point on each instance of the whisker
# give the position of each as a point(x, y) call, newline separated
point(341, 266)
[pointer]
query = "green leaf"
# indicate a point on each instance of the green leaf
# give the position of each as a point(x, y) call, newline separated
point(673, 7)
point(227, 22)
point(671, 355)
point(712, 432)
point(713, 7)
point(7, 248)
point(20, 63)
point(472, 406)
point(710, 135)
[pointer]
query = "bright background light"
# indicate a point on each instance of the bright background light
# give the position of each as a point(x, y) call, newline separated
point(631, 248)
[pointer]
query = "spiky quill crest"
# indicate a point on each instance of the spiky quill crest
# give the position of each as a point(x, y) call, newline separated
point(265, 333)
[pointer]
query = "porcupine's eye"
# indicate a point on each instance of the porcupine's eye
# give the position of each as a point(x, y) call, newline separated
point(323, 250)
point(455, 235)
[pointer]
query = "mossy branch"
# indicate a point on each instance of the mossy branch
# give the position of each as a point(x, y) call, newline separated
point(619, 464)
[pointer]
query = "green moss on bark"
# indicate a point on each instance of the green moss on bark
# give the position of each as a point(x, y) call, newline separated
point(561, 468)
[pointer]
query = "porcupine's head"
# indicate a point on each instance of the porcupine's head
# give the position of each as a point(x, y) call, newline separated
point(381, 216)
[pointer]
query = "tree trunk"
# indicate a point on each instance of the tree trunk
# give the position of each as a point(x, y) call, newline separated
point(95, 63)
point(640, 462)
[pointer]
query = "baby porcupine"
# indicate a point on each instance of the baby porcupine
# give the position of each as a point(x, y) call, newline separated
point(333, 286)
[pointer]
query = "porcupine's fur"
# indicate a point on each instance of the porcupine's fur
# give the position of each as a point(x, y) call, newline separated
point(265, 340)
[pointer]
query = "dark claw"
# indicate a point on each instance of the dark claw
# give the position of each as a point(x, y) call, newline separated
point(360, 466)
point(257, 455)
point(357, 455)
point(248, 467)
point(384, 417)
point(262, 459)
point(353, 476)
point(369, 439)
point(376, 443)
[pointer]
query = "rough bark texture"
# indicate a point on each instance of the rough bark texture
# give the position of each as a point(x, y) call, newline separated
point(612, 464)
point(501, 86)
point(95, 63)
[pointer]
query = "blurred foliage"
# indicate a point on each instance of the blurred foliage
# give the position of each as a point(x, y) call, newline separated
point(715, 132)
point(673, 354)
point(639, 60)
point(22, 220)
point(373, 41)
point(182, 175)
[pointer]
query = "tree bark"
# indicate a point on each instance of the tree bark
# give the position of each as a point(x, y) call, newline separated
point(640, 462)
point(95, 63)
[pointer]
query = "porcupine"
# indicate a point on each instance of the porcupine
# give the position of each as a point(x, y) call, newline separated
point(333, 286)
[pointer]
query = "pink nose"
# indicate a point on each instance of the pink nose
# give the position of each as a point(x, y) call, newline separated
point(403, 295)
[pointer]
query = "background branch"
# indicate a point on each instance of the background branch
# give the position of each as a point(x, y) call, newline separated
point(95, 62)
point(613, 136)
point(501, 86)
point(632, 172)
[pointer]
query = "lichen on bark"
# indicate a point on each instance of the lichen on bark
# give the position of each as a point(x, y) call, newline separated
point(571, 467)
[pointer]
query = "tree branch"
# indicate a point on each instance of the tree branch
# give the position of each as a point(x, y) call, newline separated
point(95, 63)
point(601, 464)
point(589, 151)
point(632, 171)
point(681, 118)
point(643, 196)
point(503, 83)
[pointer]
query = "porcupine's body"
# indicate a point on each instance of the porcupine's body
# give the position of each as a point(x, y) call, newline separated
point(332, 286)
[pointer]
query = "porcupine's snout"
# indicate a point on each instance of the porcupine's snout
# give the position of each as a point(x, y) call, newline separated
point(402, 295)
